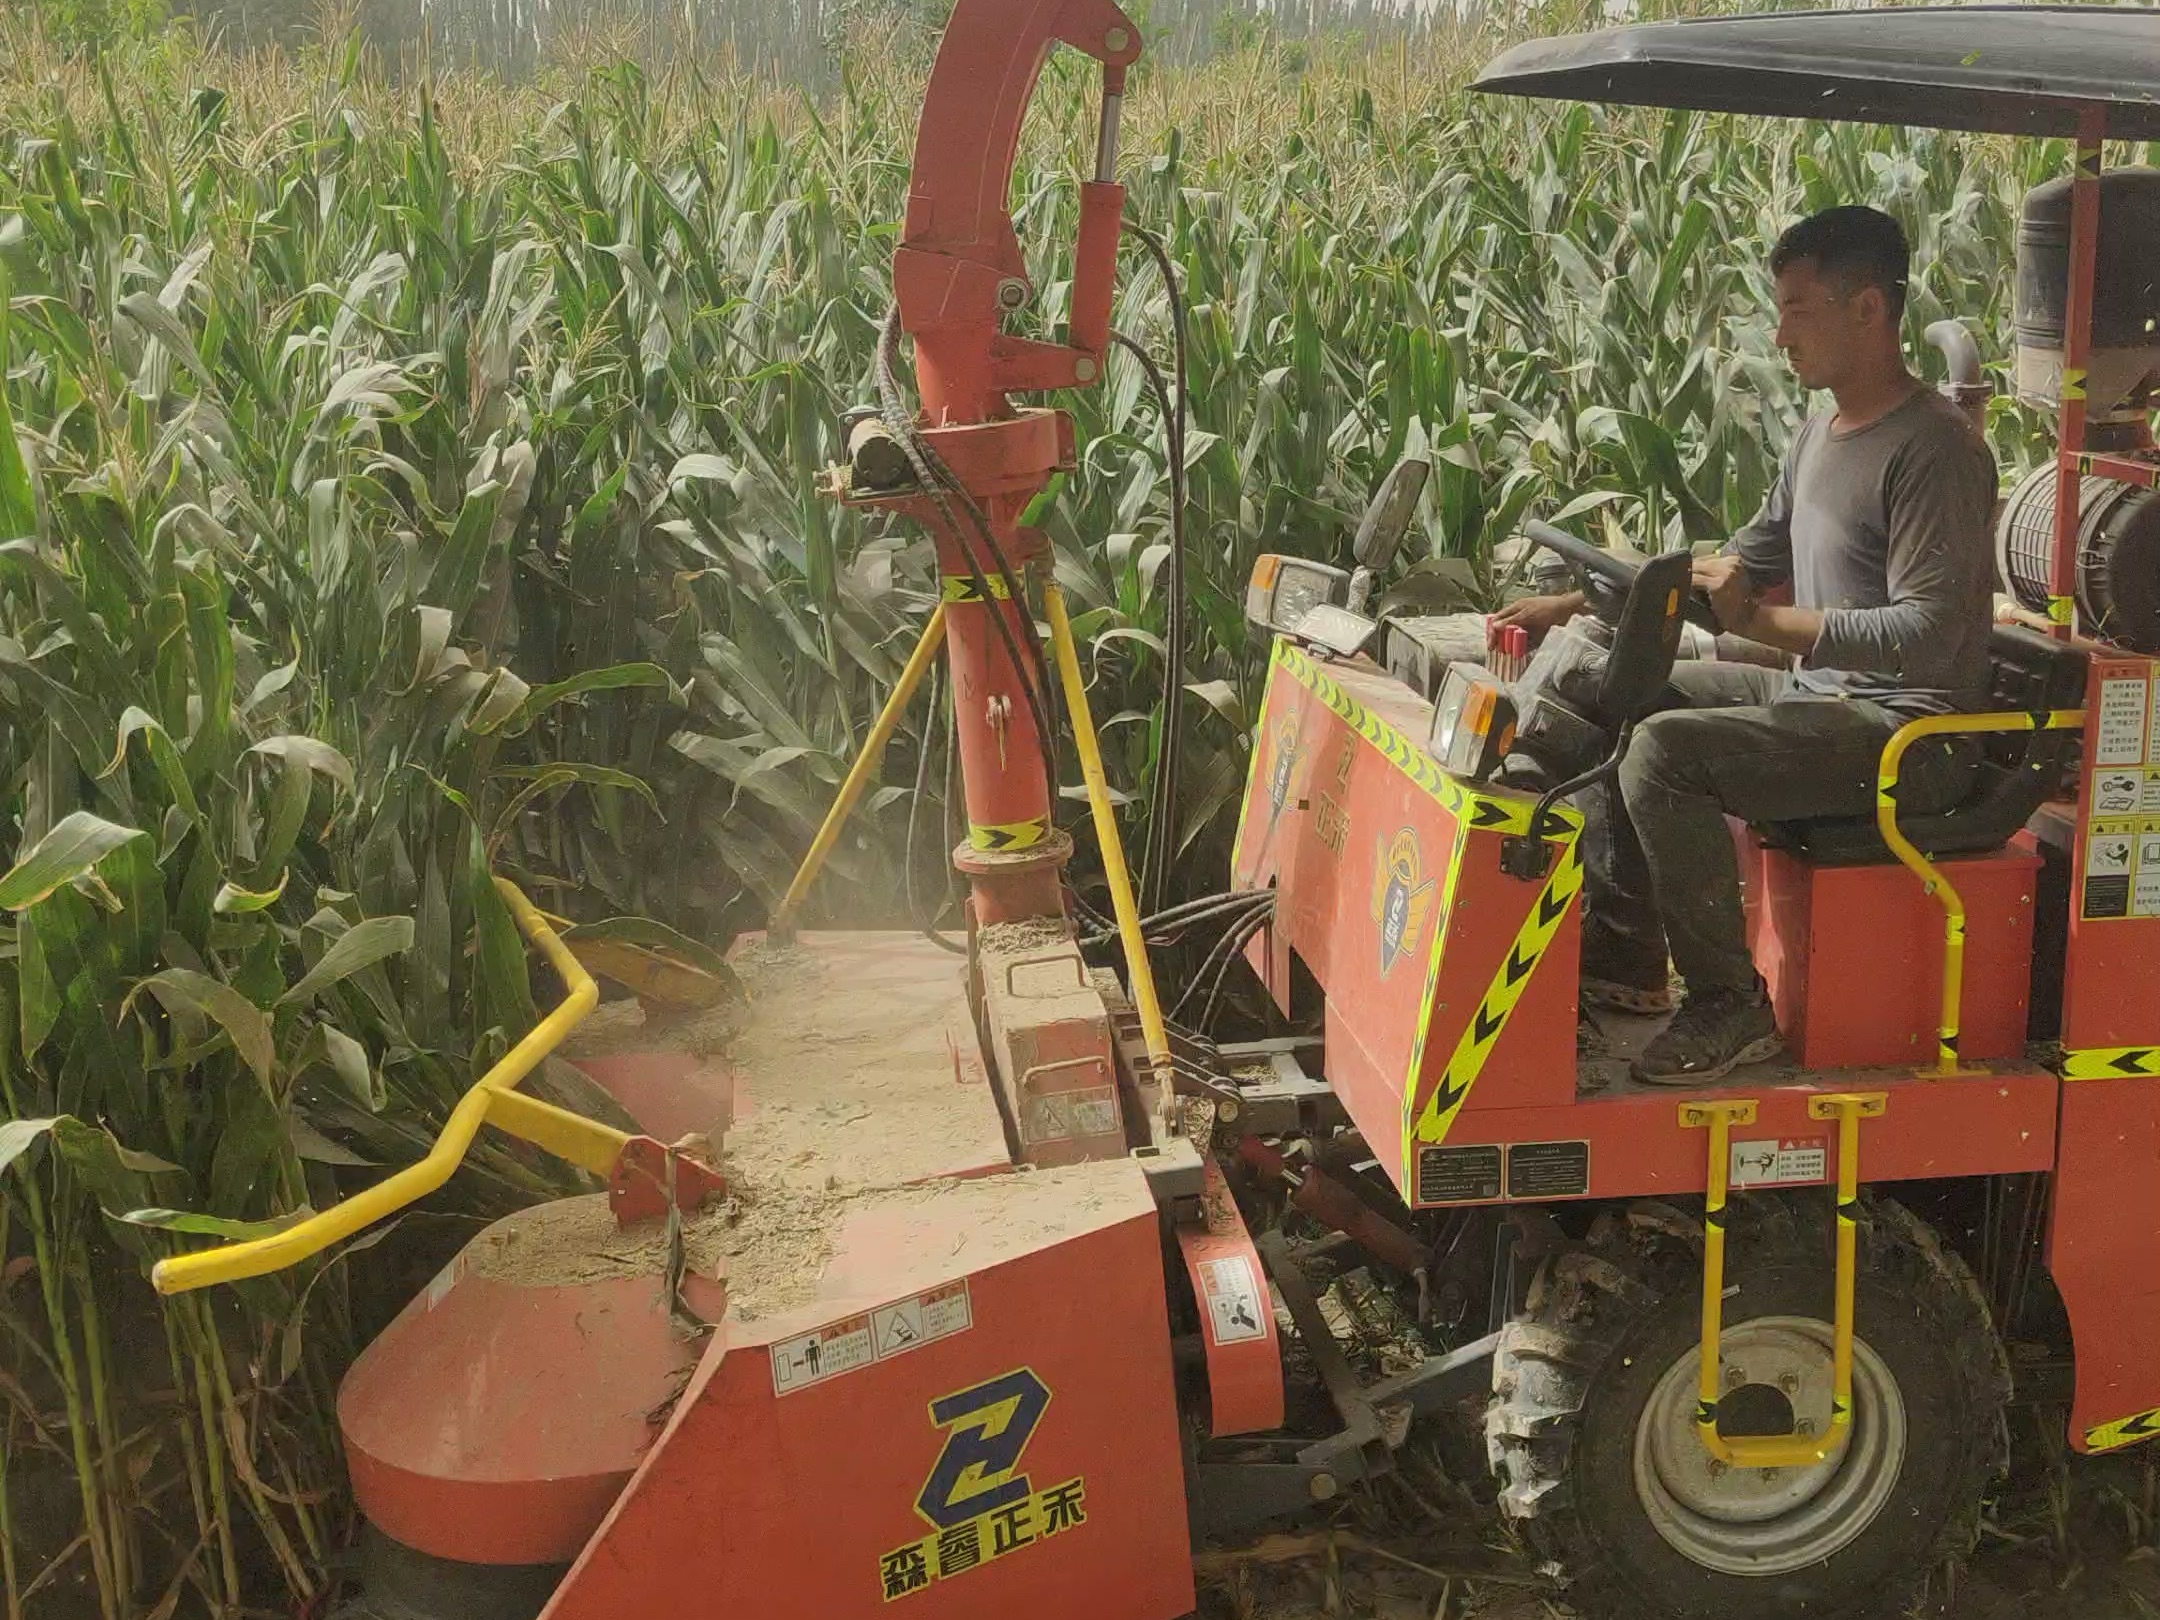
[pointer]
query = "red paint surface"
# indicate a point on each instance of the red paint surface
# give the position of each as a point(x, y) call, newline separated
point(1853, 956)
point(495, 1423)
point(2101, 1227)
point(781, 1506)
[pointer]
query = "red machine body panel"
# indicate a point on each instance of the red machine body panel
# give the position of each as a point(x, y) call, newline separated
point(1379, 858)
point(502, 1411)
point(2111, 989)
point(1853, 955)
point(992, 1432)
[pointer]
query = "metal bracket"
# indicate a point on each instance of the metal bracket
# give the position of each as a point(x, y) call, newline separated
point(1793, 1450)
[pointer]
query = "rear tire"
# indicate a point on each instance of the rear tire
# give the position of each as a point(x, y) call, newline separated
point(1597, 1461)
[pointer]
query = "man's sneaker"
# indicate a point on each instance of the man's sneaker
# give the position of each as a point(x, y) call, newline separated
point(1710, 1035)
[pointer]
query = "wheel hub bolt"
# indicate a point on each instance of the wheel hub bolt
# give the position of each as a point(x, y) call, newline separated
point(1734, 1377)
point(1789, 1383)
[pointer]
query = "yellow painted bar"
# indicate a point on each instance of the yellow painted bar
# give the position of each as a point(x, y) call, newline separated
point(586, 1143)
point(231, 1262)
point(1931, 879)
point(858, 777)
point(1137, 967)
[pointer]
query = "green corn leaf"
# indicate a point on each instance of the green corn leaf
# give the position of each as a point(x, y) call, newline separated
point(247, 1025)
point(217, 1226)
point(171, 769)
point(18, 498)
point(614, 677)
point(70, 851)
point(19, 1136)
point(360, 946)
point(233, 901)
point(314, 753)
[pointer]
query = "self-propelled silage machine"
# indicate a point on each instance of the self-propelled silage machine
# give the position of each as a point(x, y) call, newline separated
point(982, 1302)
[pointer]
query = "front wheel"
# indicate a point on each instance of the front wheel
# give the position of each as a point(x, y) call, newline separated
point(1591, 1430)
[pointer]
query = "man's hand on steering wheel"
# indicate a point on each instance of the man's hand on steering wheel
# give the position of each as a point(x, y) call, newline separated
point(1538, 614)
point(1725, 580)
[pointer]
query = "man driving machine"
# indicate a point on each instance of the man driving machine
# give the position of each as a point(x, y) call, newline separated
point(1879, 524)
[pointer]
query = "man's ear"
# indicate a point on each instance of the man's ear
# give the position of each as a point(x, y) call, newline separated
point(1872, 305)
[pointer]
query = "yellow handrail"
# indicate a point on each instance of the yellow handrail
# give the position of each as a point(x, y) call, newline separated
point(1795, 1450)
point(1930, 876)
point(1137, 966)
point(579, 1140)
point(782, 925)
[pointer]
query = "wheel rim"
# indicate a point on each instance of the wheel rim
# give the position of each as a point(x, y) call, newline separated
point(1767, 1521)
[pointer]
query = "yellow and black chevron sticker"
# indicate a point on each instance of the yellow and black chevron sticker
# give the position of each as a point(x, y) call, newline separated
point(1002, 837)
point(2073, 382)
point(961, 588)
point(1509, 980)
point(2060, 609)
point(1466, 804)
point(1425, 1003)
point(2123, 1431)
point(2110, 1062)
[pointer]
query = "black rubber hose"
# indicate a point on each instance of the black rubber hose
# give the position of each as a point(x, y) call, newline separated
point(1243, 932)
point(937, 480)
point(927, 926)
point(1241, 928)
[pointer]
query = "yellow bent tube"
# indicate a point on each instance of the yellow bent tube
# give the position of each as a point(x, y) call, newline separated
point(1778, 1450)
point(1930, 876)
point(782, 924)
point(1130, 936)
point(232, 1262)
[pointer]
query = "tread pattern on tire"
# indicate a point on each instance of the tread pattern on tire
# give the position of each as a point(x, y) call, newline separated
point(1640, 1256)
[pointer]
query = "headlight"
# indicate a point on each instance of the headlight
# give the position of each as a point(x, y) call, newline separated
point(1284, 589)
point(1473, 723)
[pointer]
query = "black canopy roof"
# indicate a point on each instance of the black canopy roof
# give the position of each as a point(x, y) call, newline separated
point(2018, 70)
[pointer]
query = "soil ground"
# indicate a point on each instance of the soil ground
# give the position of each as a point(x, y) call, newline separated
point(2067, 1538)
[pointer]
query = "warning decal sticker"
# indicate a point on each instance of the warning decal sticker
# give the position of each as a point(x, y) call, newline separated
point(1779, 1161)
point(890, 1330)
point(2111, 848)
point(1233, 1300)
point(2119, 869)
point(2119, 738)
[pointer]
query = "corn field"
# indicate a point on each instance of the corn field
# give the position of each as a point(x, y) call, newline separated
point(409, 482)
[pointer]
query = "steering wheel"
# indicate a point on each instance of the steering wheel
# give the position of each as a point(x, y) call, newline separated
point(1614, 574)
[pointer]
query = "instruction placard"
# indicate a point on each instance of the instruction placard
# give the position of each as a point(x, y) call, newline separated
point(826, 1352)
point(2120, 875)
point(1232, 1296)
point(1779, 1161)
point(2119, 739)
point(858, 1341)
point(2111, 848)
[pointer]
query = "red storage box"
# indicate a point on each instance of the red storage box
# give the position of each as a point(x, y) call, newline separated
point(1853, 954)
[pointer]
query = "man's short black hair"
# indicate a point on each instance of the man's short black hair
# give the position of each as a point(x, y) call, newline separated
point(1855, 246)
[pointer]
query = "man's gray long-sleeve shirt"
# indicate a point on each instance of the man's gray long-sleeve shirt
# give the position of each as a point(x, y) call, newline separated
point(1885, 530)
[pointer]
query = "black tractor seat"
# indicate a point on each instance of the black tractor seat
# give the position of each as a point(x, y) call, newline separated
point(2006, 776)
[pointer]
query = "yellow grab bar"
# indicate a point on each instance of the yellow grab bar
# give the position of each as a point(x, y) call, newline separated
point(1793, 1450)
point(580, 1143)
point(1930, 876)
point(782, 925)
point(1137, 967)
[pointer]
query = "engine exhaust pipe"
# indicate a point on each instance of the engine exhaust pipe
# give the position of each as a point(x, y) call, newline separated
point(1967, 386)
